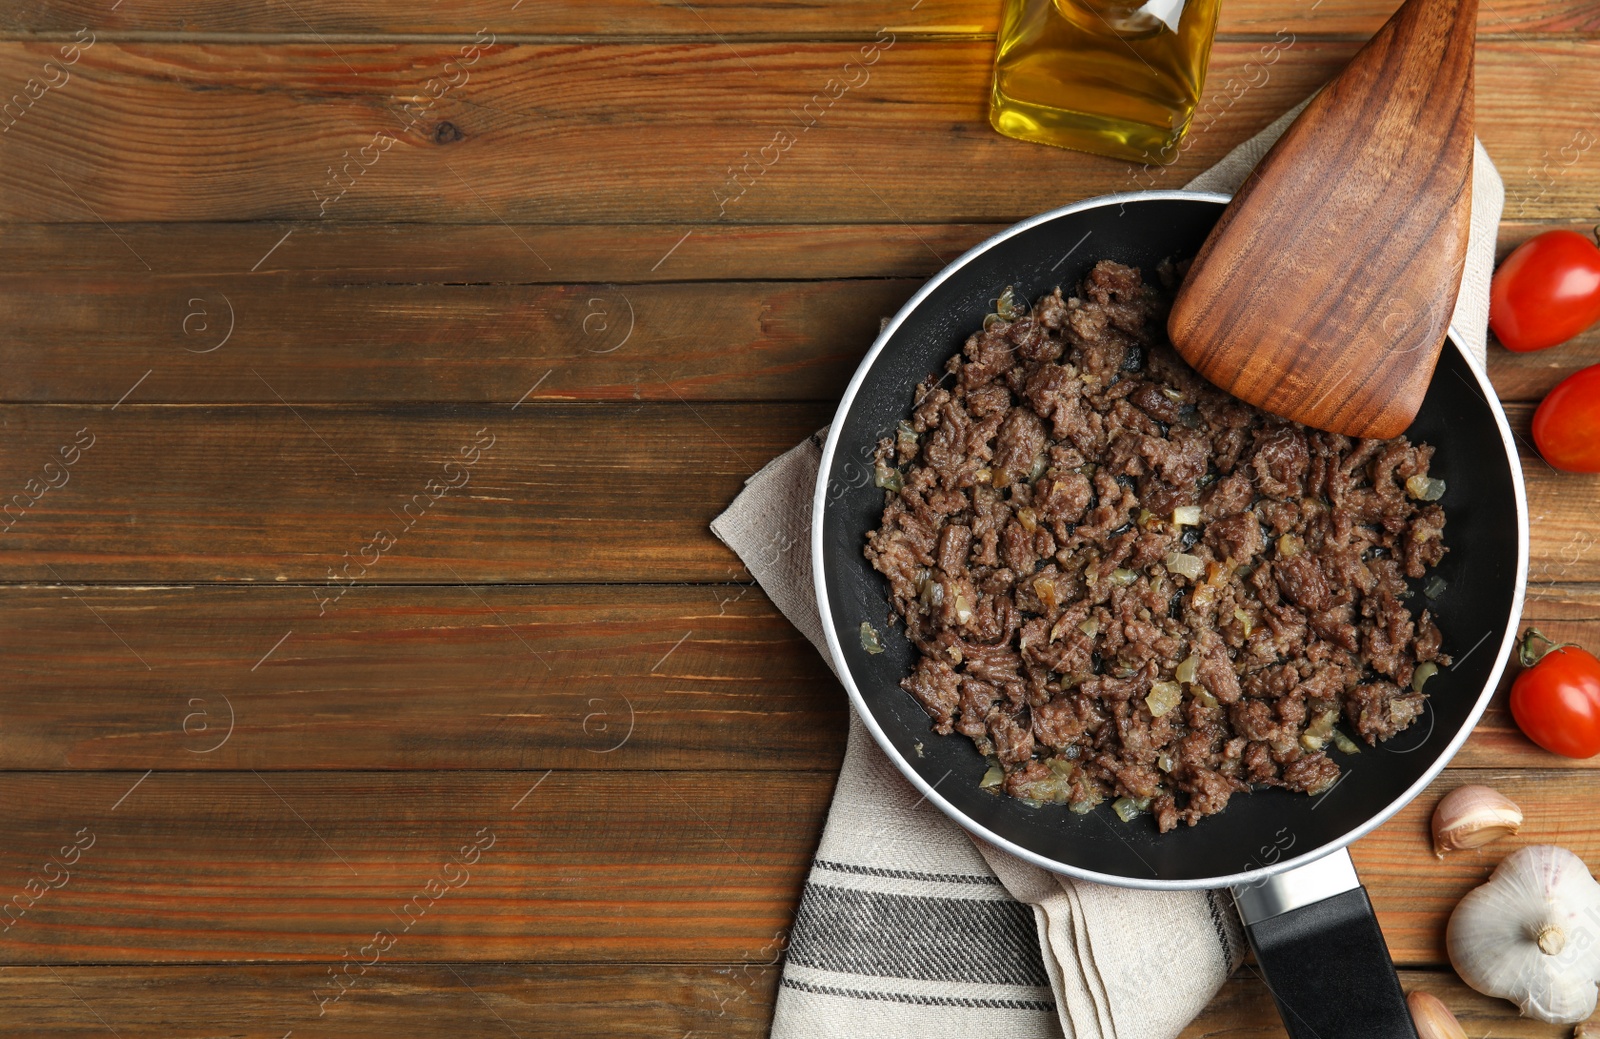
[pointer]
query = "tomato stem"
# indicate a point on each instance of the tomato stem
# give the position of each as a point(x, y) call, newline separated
point(1528, 656)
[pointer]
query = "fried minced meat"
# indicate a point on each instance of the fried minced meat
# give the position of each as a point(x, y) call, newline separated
point(1123, 582)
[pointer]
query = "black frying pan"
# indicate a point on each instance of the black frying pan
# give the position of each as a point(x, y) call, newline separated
point(1280, 852)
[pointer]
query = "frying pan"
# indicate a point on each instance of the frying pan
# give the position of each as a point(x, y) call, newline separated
point(1282, 854)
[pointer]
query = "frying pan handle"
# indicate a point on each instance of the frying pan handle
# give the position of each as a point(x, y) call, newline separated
point(1321, 953)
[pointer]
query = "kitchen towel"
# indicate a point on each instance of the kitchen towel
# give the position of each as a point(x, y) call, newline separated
point(909, 929)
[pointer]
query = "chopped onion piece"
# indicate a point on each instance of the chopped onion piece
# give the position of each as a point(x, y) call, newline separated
point(992, 779)
point(869, 639)
point(1045, 589)
point(1289, 546)
point(1128, 808)
point(1244, 619)
point(1425, 488)
point(1203, 696)
point(1121, 578)
point(1435, 587)
point(887, 477)
point(1090, 626)
point(1171, 394)
point(1085, 806)
point(1164, 761)
point(1189, 668)
point(1316, 735)
point(1164, 696)
point(1345, 743)
point(1008, 306)
point(1420, 676)
point(1041, 462)
point(963, 608)
point(1186, 565)
point(1186, 516)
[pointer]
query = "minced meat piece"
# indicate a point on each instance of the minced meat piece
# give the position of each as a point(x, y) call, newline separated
point(1027, 546)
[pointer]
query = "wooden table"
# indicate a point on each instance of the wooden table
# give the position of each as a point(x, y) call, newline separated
point(373, 372)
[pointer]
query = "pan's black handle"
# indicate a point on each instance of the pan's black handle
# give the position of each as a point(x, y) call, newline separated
point(1322, 955)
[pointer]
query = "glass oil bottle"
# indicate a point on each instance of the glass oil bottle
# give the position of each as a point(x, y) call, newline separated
point(1120, 79)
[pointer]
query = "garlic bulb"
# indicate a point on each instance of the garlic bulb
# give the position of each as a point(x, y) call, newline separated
point(1530, 935)
point(1472, 816)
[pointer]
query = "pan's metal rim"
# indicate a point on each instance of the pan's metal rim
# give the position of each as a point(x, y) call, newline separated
point(819, 502)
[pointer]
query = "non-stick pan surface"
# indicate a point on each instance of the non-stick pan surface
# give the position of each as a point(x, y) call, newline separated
point(1259, 833)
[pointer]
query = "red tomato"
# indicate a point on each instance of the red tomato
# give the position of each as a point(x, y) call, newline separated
point(1546, 291)
point(1556, 700)
point(1567, 425)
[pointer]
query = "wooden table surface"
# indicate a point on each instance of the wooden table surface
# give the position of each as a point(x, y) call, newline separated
point(369, 514)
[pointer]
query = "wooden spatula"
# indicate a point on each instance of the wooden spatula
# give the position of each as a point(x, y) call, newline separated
point(1324, 292)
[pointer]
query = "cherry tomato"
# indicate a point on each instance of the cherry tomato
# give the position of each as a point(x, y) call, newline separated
point(1556, 699)
point(1546, 291)
point(1567, 425)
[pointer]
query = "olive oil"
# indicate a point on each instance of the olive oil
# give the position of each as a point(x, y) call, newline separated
point(1116, 79)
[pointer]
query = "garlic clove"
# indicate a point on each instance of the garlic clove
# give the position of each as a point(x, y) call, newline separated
point(1472, 816)
point(1432, 1018)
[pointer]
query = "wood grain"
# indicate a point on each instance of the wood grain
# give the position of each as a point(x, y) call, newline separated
point(420, 1001)
point(427, 1001)
point(445, 1001)
point(648, 132)
point(663, 867)
point(806, 19)
point(666, 867)
point(247, 339)
point(620, 677)
point(638, 677)
point(449, 313)
point(278, 493)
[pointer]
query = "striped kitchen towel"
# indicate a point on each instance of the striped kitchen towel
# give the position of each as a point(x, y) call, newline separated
point(909, 929)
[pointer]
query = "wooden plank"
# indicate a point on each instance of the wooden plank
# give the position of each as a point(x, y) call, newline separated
point(664, 677)
point(567, 493)
point(649, 132)
point(662, 867)
point(562, 493)
point(422, 1001)
point(238, 340)
point(806, 19)
point(440, 1001)
point(336, 253)
point(447, 313)
point(246, 340)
